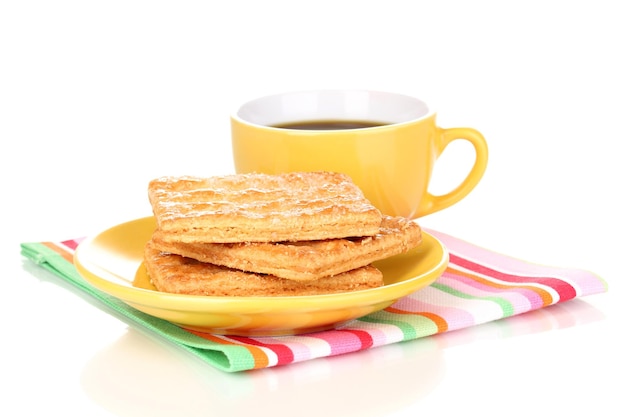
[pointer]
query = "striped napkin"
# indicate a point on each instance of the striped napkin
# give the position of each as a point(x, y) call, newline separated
point(478, 286)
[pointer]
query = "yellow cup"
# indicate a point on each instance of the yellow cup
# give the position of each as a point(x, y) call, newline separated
point(392, 161)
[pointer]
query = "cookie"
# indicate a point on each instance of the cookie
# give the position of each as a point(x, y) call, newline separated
point(176, 274)
point(304, 260)
point(261, 208)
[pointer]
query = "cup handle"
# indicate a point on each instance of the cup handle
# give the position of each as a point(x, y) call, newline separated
point(447, 136)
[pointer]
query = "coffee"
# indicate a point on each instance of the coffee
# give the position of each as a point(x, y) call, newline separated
point(327, 130)
point(330, 124)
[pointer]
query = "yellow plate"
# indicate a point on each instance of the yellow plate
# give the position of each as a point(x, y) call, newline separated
point(112, 262)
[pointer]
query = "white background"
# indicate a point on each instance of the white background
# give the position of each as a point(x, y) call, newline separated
point(99, 97)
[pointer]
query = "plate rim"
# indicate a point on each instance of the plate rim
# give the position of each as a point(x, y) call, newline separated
point(201, 303)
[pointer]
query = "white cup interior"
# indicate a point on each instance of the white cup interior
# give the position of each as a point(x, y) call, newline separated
point(388, 108)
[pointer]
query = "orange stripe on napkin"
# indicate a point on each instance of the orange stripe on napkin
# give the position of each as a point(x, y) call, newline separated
point(543, 294)
point(64, 253)
point(439, 321)
point(260, 358)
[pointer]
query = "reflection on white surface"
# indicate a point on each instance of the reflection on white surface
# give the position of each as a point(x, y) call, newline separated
point(141, 375)
point(138, 375)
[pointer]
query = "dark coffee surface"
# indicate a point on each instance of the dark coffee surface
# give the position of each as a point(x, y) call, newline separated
point(330, 124)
